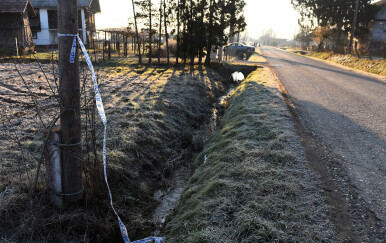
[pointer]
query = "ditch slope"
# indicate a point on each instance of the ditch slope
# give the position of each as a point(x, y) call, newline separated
point(251, 182)
point(159, 118)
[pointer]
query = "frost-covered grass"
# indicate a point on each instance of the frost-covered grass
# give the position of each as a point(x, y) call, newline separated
point(376, 65)
point(156, 118)
point(252, 183)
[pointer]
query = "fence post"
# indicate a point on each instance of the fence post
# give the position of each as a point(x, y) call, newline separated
point(109, 49)
point(53, 166)
point(17, 48)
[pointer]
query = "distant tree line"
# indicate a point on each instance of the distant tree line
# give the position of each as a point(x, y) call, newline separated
point(197, 26)
point(321, 19)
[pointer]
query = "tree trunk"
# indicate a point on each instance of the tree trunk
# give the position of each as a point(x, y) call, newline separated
point(184, 43)
point(209, 40)
point(160, 32)
point(354, 24)
point(222, 24)
point(70, 119)
point(150, 32)
point(338, 44)
point(191, 37)
point(137, 34)
point(202, 34)
point(166, 32)
point(232, 23)
point(178, 30)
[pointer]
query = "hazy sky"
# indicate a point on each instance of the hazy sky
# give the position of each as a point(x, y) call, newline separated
point(260, 14)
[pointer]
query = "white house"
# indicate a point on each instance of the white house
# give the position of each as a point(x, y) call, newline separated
point(44, 26)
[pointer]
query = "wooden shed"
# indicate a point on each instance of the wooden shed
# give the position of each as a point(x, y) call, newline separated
point(15, 26)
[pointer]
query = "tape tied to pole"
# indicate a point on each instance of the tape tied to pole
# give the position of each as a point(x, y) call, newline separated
point(101, 111)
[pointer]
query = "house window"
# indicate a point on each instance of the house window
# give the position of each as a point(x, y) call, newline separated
point(53, 19)
point(34, 35)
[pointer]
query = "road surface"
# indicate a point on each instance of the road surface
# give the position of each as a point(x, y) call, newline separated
point(345, 114)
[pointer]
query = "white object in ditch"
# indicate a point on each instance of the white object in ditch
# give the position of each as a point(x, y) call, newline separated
point(205, 158)
point(237, 77)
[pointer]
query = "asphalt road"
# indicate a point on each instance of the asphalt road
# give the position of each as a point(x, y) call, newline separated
point(344, 111)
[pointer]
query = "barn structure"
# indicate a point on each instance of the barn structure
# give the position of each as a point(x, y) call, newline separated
point(14, 25)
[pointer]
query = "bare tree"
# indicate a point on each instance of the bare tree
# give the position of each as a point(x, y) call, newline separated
point(166, 32)
point(150, 31)
point(178, 30)
point(136, 33)
point(160, 32)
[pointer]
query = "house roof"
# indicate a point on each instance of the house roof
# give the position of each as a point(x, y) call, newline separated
point(381, 14)
point(380, 3)
point(92, 4)
point(16, 6)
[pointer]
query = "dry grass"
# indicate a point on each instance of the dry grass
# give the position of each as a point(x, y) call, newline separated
point(254, 185)
point(376, 66)
point(257, 56)
point(157, 119)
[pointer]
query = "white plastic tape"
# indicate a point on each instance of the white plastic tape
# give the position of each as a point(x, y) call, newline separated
point(101, 111)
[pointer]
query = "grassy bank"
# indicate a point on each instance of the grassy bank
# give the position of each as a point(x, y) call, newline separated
point(157, 117)
point(364, 64)
point(252, 183)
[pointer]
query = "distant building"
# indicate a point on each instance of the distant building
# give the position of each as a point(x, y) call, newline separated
point(14, 24)
point(44, 26)
point(378, 38)
point(278, 42)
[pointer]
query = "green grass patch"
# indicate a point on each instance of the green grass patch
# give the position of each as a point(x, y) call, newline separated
point(254, 185)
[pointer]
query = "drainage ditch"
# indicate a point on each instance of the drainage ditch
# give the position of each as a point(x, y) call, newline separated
point(169, 198)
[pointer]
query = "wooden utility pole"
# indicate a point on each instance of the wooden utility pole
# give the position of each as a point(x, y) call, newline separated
point(354, 24)
point(70, 122)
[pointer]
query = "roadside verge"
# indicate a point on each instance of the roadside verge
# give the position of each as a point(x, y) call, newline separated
point(375, 68)
point(251, 182)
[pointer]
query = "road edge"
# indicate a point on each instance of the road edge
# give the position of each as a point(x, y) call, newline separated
point(371, 75)
point(327, 166)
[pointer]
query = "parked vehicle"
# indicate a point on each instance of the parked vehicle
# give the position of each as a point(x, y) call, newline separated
point(238, 48)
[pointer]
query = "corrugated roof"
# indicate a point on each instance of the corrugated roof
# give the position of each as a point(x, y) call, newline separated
point(54, 3)
point(13, 6)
